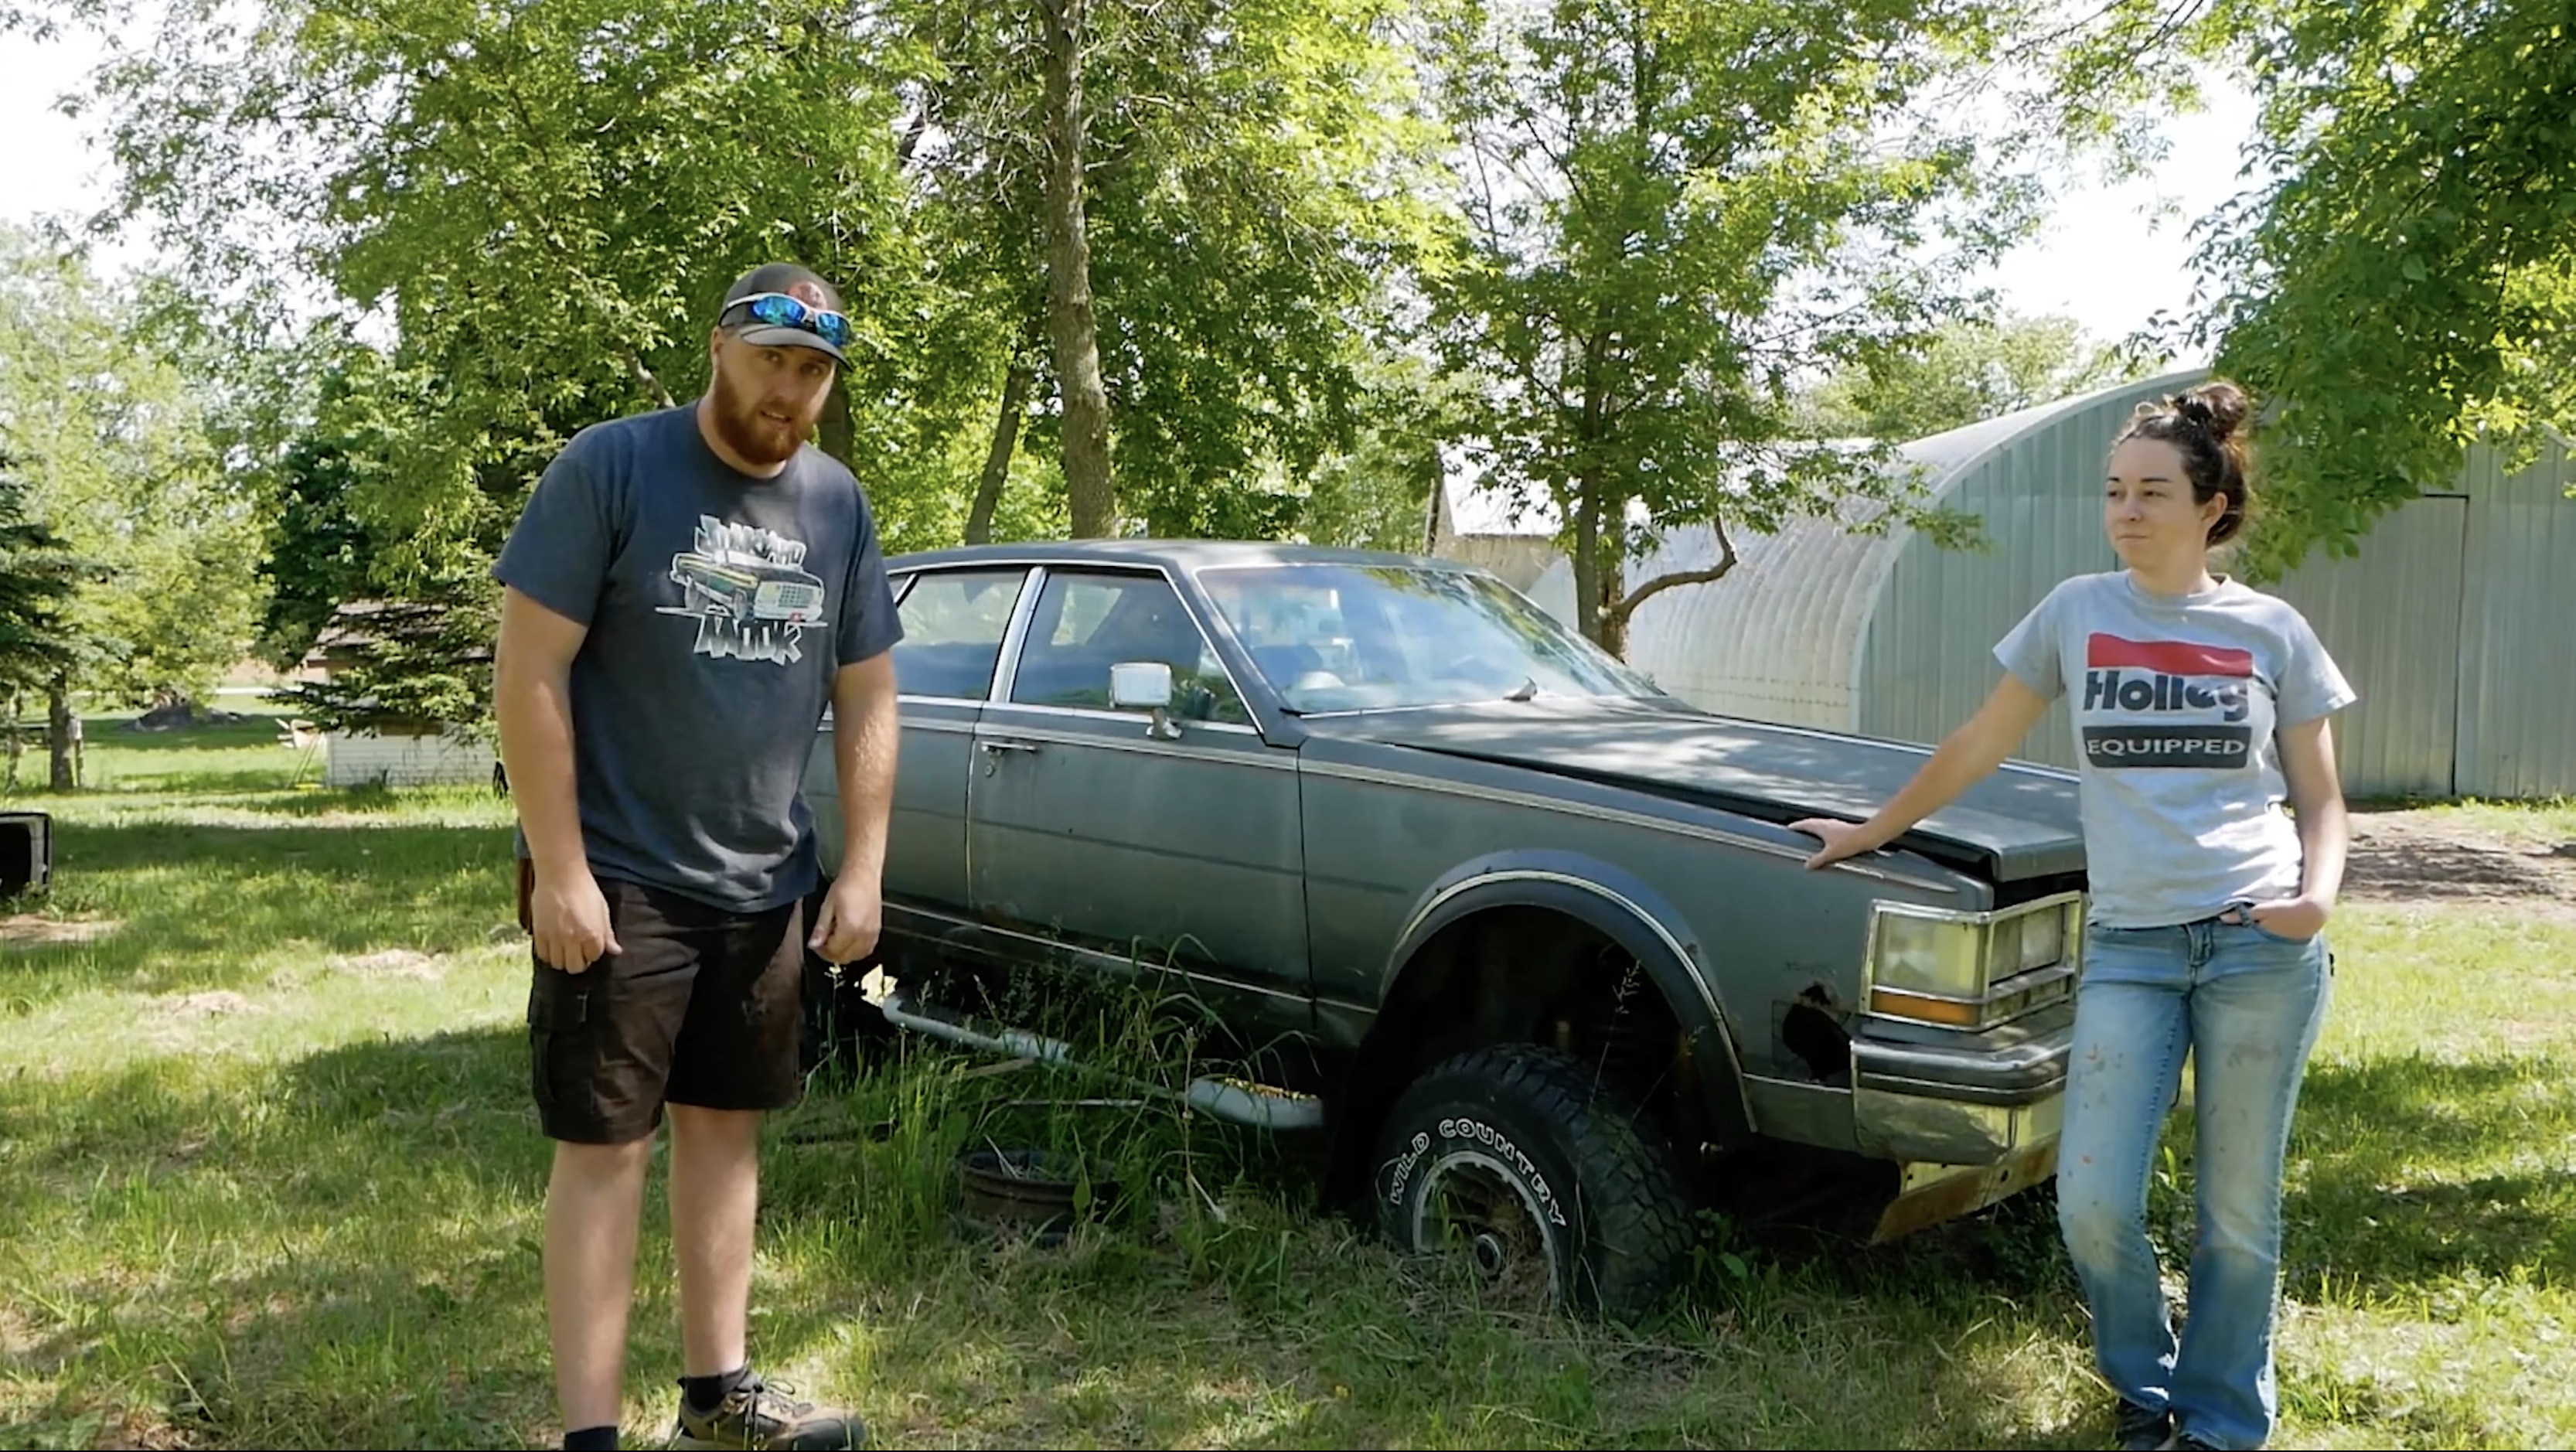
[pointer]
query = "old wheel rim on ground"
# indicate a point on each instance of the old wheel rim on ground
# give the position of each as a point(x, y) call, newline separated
point(1469, 1204)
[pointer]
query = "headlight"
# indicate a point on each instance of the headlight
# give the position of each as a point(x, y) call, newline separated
point(1968, 970)
point(2043, 938)
point(2025, 943)
point(1927, 955)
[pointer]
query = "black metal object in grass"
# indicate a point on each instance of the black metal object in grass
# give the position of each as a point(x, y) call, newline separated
point(26, 852)
point(1033, 1192)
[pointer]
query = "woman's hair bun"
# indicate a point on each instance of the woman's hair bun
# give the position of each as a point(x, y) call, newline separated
point(2217, 406)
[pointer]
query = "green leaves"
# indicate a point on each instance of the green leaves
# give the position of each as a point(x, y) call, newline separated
point(113, 452)
point(2405, 280)
point(1675, 209)
point(38, 578)
point(1964, 372)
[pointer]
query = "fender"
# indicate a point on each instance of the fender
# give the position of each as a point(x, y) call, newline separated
point(1614, 901)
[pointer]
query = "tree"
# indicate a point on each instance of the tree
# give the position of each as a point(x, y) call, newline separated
point(1252, 175)
point(1378, 492)
point(38, 579)
point(320, 553)
point(536, 209)
point(1672, 208)
point(113, 446)
point(1967, 371)
point(1089, 489)
point(2402, 278)
point(540, 205)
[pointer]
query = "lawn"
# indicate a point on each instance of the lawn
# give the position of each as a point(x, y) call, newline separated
point(269, 1177)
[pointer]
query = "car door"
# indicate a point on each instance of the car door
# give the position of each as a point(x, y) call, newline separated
point(954, 622)
point(1136, 852)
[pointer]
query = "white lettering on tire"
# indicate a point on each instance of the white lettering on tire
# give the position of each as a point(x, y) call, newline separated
point(1476, 1131)
point(1404, 1167)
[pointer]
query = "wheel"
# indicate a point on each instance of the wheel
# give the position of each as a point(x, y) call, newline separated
point(1540, 1174)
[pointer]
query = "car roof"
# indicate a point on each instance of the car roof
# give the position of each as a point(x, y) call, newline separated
point(1181, 556)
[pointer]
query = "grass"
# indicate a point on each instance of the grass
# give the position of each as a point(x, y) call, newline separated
point(269, 1177)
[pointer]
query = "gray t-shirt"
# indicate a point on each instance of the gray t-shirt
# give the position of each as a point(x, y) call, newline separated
point(2177, 699)
point(720, 609)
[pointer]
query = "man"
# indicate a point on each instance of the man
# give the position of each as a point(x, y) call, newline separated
point(686, 591)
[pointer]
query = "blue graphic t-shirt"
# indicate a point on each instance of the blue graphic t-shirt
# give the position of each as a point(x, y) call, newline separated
point(720, 608)
point(2178, 704)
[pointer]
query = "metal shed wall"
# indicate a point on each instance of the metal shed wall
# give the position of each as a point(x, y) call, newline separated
point(2390, 617)
point(1927, 660)
point(2450, 621)
point(1778, 639)
point(2517, 721)
point(2453, 621)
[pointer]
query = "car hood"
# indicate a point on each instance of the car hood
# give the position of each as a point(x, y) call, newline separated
point(2019, 822)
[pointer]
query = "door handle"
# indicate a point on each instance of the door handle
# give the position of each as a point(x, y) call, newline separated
point(993, 747)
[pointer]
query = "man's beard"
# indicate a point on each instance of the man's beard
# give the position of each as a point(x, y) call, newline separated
point(755, 439)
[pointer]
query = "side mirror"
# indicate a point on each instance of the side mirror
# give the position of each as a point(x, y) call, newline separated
point(1145, 686)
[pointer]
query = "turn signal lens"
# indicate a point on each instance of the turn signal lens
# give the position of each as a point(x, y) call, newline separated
point(1929, 1010)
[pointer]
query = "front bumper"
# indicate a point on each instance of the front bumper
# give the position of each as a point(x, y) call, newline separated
point(1958, 1106)
point(1970, 1126)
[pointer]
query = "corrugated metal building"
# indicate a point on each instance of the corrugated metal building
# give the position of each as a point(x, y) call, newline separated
point(2450, 622)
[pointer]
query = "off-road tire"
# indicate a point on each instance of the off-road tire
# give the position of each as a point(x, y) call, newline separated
point(1598, 1199)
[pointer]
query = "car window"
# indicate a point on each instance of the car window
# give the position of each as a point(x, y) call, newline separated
point(1087, 622)
point(1351, 637)
point(953, 621)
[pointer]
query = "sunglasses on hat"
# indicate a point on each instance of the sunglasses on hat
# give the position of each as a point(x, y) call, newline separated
point(782, 311)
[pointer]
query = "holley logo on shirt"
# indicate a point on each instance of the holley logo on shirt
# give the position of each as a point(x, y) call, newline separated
point(2129, 684)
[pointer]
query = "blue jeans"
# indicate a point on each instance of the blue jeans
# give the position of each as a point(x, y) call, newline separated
point(2246, 1005)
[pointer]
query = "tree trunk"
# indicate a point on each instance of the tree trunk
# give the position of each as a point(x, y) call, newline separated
point(58, 733)
point(997, 461)
point(836, 432)
point(1089, 490)
point(1612, 624)
point(1587, 560)
point(17, 748)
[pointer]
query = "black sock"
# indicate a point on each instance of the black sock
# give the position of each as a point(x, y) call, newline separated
point(706, 1393)
point(592, 1439)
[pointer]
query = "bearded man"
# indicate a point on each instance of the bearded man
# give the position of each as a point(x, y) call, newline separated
point(686, 592)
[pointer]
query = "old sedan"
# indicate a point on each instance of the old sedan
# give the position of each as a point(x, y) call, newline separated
point(1525, 935)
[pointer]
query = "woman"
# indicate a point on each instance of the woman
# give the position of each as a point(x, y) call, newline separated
point(2199, 705)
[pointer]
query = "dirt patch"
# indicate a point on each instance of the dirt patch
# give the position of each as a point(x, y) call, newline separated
point(27, 930)
point(394, 963)
point(141, 1431)
point(18, 1340)
point(2427, 859)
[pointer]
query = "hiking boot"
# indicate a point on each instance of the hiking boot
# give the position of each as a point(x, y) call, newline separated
point(757, 1416)
point(2184, 1442)
point(2141, 1430)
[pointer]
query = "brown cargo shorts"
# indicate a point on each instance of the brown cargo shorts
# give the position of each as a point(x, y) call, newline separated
point(703, 1007)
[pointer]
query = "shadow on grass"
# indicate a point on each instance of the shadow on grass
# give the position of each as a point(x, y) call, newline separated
point(342, 1250)
point(337, 1251)
point(198, 905)
point(2384, 1207)
point(345, 1250)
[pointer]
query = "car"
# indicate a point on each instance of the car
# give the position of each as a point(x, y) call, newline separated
point(1526, 938)
point(746, 589)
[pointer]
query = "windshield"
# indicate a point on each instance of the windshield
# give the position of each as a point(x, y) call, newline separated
point(1367, 637)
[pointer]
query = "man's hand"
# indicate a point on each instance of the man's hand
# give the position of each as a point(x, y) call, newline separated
point(853, 914)
point(571, 920)
point(2296, 918)
point(1841, 839)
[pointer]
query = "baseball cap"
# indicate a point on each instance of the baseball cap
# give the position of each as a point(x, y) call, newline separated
point(800, 283)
